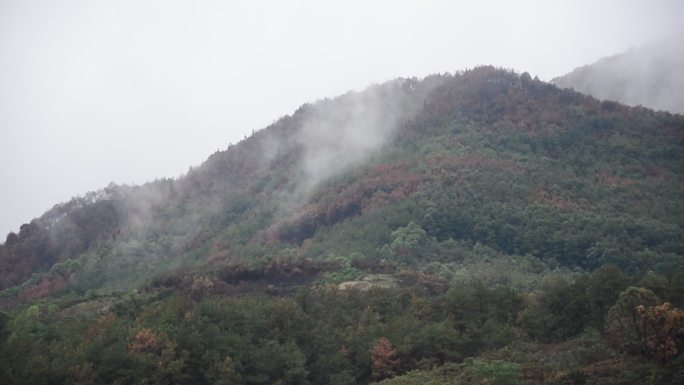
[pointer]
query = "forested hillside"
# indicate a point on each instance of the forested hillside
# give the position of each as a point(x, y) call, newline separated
point(480, 227)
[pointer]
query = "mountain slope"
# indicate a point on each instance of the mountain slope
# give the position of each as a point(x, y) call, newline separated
point(651, 76)
point(484, 157)
point(481, 227)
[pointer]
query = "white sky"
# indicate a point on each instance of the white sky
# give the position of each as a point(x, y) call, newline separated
point(93, 92)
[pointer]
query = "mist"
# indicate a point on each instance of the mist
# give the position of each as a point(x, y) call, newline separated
point(340, 133)
point(650, 76)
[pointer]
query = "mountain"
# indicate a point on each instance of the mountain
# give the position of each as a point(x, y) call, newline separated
point(462, 225)
point(651, 76)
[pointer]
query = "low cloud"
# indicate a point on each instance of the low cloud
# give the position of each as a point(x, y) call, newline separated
point(650, 76)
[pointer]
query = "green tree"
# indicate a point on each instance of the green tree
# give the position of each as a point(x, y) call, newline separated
point(409, 242)
point(604, 287)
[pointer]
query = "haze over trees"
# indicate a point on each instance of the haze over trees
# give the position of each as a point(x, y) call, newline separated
point(467, 228)
point(650, 76)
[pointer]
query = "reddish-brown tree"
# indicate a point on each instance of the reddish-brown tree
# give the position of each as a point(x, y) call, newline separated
point(662, 328)
point(384, 359)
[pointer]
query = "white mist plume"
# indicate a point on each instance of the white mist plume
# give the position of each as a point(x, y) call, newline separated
point(343, 132)
point(652, 76)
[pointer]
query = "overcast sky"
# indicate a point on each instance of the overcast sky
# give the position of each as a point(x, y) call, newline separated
point(93, 92)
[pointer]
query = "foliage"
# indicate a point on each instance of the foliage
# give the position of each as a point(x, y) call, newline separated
point(623, 322)
point(661, 327)
point(383, 358)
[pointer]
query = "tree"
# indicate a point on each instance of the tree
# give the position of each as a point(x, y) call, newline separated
point(561, 311)
point(662, 328)
point(623, 324)
point(144, 341)
point(383, 359)
point(409, 242)
point(604, 287)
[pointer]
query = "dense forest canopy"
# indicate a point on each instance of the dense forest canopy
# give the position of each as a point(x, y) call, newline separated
point(477, 227)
